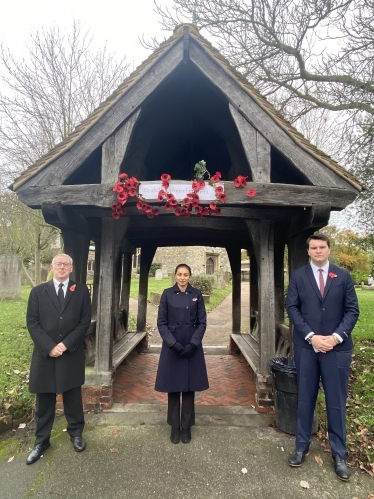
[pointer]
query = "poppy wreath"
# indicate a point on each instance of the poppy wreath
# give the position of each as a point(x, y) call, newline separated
point(128, 187)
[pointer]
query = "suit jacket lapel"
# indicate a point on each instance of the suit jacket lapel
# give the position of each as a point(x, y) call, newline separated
point(313, 281)
point(329, 280)
point(69, 293)
point(51, 290)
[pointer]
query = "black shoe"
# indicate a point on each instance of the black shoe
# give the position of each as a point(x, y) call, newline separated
point(37, 452)
point(186, 436)
point(297, 458)
point(341, 468)
point(175, 436)
point(79, 443)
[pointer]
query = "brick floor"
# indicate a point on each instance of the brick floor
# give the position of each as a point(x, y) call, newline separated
point(231, 381)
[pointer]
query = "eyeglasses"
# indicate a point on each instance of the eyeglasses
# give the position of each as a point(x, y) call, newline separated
point(59, 264)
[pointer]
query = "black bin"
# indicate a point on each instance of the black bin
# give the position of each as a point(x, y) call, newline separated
point(283, 372)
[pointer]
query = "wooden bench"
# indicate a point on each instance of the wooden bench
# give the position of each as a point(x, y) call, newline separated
point(125, 346)
point(249, 349)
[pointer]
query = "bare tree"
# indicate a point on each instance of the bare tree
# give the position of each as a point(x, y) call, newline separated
point(45, 95)
point(304, 56)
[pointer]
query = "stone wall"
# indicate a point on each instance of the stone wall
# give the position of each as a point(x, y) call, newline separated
point(196, 257)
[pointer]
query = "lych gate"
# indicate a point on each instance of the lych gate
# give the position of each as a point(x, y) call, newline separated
point(184, 104)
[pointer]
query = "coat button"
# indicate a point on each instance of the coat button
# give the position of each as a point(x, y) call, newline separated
point(186, 307)
point(178, 324)
point(60, 318)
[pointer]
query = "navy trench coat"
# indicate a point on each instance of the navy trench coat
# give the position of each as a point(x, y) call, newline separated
point(181, 318)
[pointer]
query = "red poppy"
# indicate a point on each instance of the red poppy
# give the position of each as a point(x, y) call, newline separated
point(139, 205)
point(150, 215)
point(160, 198)
point(222, 198)
point(148, 209)
point(187, 214)
point(202, 184)
point(122, 196)
point(173, 202)
point(191, 195)
point(177, 212)
point(186, 201)
point(123, 211)
point(120, 188)
point(198, 209)
point(161, 193)
point(132, 193)
point(240, 181)
point(195, 185)
point(215, 178)
point(115, 215)
point(72, 288)
point(205, 211)
point(195, 203)
point(167, 206)
point(332, 275)
point(251, 193)
point(156, 212)
point(169, 196)
point(123, 175)
point(165, 177)
point(165, 184)
point(114, 206)
point(217, 211)
point(212, 205)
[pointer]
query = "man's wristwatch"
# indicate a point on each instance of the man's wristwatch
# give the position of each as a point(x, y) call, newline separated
point(309, 340)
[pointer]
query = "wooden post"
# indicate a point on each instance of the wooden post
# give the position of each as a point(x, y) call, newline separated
point(147, 254)
point(96, 279)
point(279, 282)
point(126, 286)
point(234, 254)
point(262, 236)
point(253, 290)
point(119, 330)
point(77, 246)
point(104, 324)
point(297, 253)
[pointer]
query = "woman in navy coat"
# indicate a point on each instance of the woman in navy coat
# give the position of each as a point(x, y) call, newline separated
point(181, 322)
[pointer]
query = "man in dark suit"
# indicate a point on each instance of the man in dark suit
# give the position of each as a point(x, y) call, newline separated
point(322, 306)
point(58, 316)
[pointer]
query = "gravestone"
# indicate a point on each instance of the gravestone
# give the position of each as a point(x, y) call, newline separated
point(158, 275)
point(164, 271)
point(10, 277)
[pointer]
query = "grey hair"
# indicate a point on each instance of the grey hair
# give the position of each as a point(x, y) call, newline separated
point(62, 254)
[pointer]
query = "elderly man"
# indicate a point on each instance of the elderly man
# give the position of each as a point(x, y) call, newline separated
point(58, 316)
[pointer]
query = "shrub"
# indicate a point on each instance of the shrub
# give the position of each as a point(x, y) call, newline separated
point(203, 282)
point(152, 271)
point(359, 276)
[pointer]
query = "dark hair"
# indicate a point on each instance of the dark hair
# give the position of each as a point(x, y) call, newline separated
point(319, 237)
point(183, 265)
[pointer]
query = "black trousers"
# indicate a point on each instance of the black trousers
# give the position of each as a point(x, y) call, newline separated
point(45, 413)
point(184, 418)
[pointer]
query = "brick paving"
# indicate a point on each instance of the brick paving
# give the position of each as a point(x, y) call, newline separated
point(231, 381)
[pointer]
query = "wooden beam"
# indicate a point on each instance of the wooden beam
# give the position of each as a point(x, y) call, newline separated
point(287, 195)
point(114, 150)
point(310, 219)
point(77, 246)
point(257, 149)
point(64, 217)
point(65, 164)
point(318, 173)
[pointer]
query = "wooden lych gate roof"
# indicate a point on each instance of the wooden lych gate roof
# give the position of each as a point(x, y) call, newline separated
point(184, 104)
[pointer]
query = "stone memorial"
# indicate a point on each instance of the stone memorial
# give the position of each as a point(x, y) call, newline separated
point(10, 277)
point(158, 275)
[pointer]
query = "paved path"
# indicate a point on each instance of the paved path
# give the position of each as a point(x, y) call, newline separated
point(219, 320)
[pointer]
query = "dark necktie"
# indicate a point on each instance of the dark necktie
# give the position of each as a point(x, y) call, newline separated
point(321, 282)
point(60, 295)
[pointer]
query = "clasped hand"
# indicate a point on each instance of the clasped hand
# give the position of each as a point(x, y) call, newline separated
point(323, 343)
point(57, 350)
point(186, 351)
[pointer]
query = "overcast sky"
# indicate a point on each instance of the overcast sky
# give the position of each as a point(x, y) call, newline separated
point(119, 23)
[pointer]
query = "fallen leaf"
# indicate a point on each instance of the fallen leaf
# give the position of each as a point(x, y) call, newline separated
point(22, 425)
point(64, 429)
point(304, 485)
point(115, 432)
point(244, 471)
point(10, 459)
point(282, 449)
point(253, 407)
point(319, 460)
point(114, 450)
point(16, 371)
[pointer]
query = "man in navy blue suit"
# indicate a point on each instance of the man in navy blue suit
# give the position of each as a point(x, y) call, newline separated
point(322, 306)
